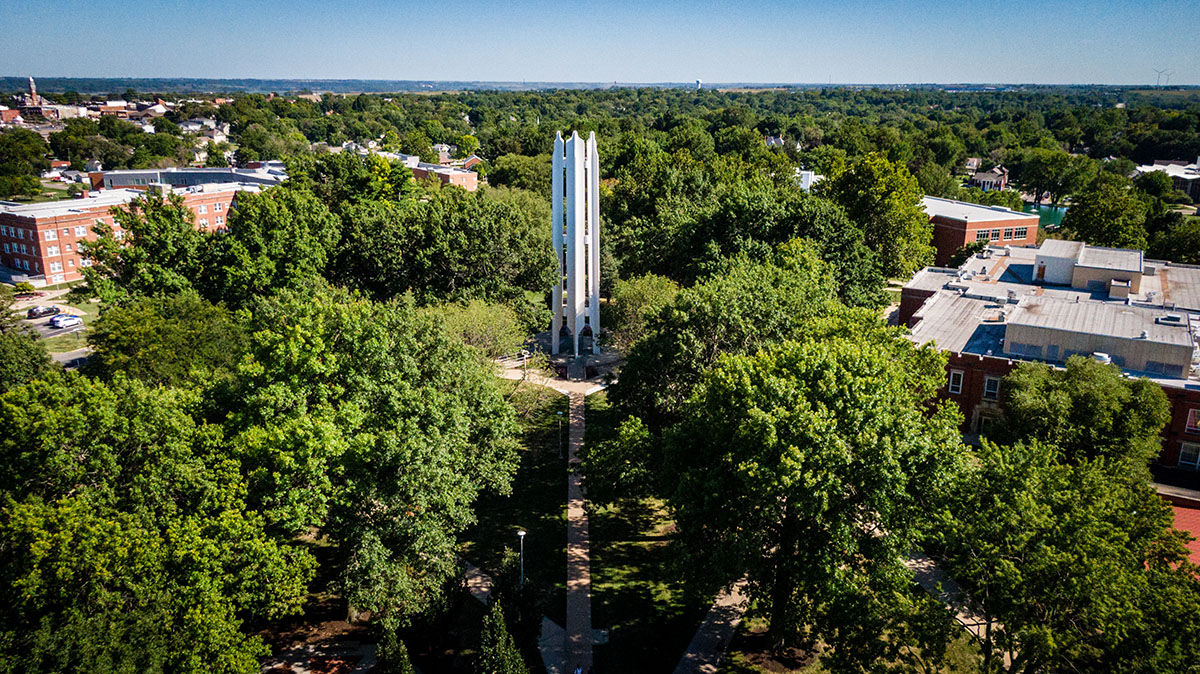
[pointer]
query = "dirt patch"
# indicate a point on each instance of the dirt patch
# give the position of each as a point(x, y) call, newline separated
point(754, 646)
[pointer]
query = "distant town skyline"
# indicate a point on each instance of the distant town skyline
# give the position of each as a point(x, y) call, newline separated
point(863, 41)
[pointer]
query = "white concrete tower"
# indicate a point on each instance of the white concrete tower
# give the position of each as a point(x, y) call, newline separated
point(575, 223)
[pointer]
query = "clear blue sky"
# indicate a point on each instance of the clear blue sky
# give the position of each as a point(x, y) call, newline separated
point(1102, 41)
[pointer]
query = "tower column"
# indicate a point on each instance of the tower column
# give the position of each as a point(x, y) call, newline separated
point(575, 223)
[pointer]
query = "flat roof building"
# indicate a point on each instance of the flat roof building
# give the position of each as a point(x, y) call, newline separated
point(1006, 306)
point(958, 223)
point(39, 243)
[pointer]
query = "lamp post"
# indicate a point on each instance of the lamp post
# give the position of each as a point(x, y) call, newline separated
point(560, 454)
point(521, 536)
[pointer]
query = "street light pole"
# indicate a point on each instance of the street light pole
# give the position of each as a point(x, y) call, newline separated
point(521, 536)
point(560, 454)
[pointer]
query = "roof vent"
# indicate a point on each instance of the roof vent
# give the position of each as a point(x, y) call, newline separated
point(1145, 334)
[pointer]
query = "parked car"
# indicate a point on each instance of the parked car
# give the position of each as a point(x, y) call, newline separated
point(65, 321)
point(38, 312)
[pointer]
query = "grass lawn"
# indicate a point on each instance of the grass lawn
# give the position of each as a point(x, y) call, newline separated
point(68, 342)
point(537, 505)
point(750, 653)
point(636, 590)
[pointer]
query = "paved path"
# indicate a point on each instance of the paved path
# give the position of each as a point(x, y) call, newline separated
point(579, 575)
point(299, 659)
point(707, 649)
point(934, 580)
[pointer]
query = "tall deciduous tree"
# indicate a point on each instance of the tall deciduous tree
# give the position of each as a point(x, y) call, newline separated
point(1087, 410)
point(278, 239)
point(125, 540)
point(884, 199)
point(1108, 213)
point(371, 422)
point(1074, 567)
point(810, 468)
point(158, 250)
point(174, 340)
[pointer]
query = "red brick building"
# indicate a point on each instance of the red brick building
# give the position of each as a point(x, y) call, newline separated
point(468, 180)
point(957, 223)
point(40, 242)
point(993, 313)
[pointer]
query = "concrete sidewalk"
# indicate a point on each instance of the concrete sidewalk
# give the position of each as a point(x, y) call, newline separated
point(708, 646)
point(579, 576)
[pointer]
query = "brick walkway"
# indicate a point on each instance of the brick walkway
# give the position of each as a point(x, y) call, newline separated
point(579, 576)
point(707, 649)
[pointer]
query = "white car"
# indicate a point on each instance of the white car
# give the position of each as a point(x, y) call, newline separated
point(65, 321)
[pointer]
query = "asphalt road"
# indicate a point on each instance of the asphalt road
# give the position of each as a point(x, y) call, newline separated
point(42, 327)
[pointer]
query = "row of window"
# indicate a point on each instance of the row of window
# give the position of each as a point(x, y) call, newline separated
point(1009, 234)
point(49, 234)
point(16, 248)
point(220, 221)
point(203, 208)
point(991, 385)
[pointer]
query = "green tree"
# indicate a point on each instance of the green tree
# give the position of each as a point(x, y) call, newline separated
point(634, 301)
point(1087, 410)
point(527, 173)
point(23, 359)
point(369, 421)
point(173, 340)
point(1074, 567)
point(1108, 213)
point(1180, 243)
point(884, 199)
point(497, 652)
point(494, 330)
point(156, 250)
point(467, 145)
point(810, 467)
point(279, 238)
point(748, 307)
point(492, 245)
point(125, 542)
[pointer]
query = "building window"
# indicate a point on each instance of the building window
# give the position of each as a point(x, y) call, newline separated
point(71, 264)
point(983, 235)
point(20, 234)
point(218, 207)
point(85, 262)
point(1020, 232)
point(68, 247)
point(1193, 421)
point(81, 230)
point(1008, 234)
point(55, 266)
point(52, 235)
point(204, 222)
point(24, 250)
point(202, 209)
point(66, 231)
point(52, 250)
point(1189, 456)
point(220, 219)
point(1166, 369)
point(956, 381)
point(6, 248)
point(995, 235)
point(991, 388)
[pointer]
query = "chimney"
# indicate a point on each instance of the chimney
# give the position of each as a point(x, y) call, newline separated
point(83, 194)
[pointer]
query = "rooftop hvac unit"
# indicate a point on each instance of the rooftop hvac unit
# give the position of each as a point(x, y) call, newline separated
point(1100, 357)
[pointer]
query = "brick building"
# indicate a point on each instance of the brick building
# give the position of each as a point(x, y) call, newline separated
point(447, 175)
point(40, 242)
point(1012, 305)
point(957, 223)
